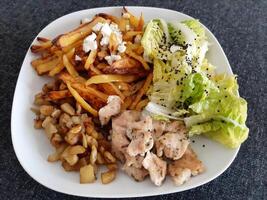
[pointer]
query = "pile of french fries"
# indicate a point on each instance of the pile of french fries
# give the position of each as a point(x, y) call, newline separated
point(68, 107)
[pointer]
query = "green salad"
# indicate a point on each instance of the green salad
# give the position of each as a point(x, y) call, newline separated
point(185, 86)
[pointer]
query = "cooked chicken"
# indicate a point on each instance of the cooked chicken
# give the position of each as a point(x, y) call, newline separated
point(134, 161)
point(175, 126)
point(156, 167)
point(179, 169)
point(138, 174)
point(158, 128)
point(119, 139)
point(134, 168)
point(172, 145)
point(144, 124)
point(119, 143)
point(142, 142)
point(112, 108)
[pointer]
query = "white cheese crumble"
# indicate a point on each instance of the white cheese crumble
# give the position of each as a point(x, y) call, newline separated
point(174, 48)
point(90, 43)
point(78, 58)
point(110, 59)
point(122, 47)
point(106, 30)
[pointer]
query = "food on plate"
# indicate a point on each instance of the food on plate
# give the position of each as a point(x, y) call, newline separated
point(129, 95)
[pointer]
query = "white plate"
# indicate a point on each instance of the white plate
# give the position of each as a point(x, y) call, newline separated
point(32, 147)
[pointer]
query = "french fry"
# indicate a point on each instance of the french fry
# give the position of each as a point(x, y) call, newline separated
point(114, 88)
point(128, 36)
point(74, 45)
point(45, 67)
point(57, 69)
point(87, 174)
point(90, 59)
point(123, 86)
point(110, 17)
point(137, 57)
point(122, 24)
point(79, 33)
point(90, 91)
point(42, 39)
point(40, 61)
point(70, 68)
point(56, 95)
point(81, 101)
point(70, 53)
point(107, 177)
point(66, 77)
point(127, 102)
point(42, 47)
point(141, 23)
point(113, 43)
point(109, 78)
point(142, 91)
point(141, 104)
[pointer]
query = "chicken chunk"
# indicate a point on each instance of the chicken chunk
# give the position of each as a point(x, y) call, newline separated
point(175, 126)
point(138, 174)
point(119, 139)
point(134, 161)
point(134, 168)
point(119, 143)
point(172, 145)
point(141, 143)
point(156, 167)
point(112, 108)
point(182, 169)
point(158, 128)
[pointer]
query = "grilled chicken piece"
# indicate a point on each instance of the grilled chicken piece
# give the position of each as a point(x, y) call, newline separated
point(119, 139)
point(182, 169)
point(156, 167)
point(126, 66)
point(138, 174)
point(142, 142)
point(134, 168)
point(175, 126)
point(172, 145)
point(134, 161)
point(112, 108)
point(158, 128)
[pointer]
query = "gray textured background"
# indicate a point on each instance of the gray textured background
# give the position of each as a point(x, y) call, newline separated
point(241, 28)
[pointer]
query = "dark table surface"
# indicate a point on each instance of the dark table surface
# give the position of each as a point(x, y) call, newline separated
point(241, 28)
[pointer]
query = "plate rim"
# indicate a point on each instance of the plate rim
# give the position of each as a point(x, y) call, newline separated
point(21, 162)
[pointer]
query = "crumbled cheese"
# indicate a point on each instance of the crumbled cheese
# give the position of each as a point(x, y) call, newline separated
point(106, 30)
point(126, 15)
point(78, 58)
point(90, 43)
point(98, 27)
point(110, 59)
point(85, 20)
point(137, 39)
point(174, 48)
point(127, 27)
point(122, 47)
